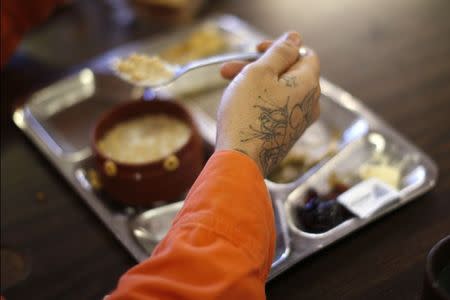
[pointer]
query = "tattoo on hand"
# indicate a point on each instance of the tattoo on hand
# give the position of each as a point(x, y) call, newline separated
point(289, 80)
point(279, 127)
point(306, 106)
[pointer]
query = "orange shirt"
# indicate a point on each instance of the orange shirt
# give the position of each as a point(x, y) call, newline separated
point(19, 16)
point(221, 243)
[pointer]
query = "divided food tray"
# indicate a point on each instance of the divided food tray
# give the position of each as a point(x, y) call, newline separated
point(59, 120)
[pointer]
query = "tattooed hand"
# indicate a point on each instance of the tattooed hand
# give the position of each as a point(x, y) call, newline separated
point(270, 102)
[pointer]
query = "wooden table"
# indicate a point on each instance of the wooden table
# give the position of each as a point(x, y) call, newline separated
point(394, 55)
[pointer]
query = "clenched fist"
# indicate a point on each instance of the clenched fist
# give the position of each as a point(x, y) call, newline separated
point(270, 102)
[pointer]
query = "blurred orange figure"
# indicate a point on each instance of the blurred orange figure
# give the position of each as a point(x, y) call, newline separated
point(17, 18)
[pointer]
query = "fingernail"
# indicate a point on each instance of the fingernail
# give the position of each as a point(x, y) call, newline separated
point(293, 38)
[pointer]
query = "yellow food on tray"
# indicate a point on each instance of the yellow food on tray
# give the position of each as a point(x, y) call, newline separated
point(384, 172)
point(206, 41)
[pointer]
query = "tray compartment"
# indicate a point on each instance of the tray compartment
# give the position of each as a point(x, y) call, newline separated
point(237, 37)
point(67, 111)
point(150, 227)
point(345, 165)
point(336, 127)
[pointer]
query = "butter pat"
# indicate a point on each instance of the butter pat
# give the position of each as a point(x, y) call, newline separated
point(388, 174)
point(368, 197)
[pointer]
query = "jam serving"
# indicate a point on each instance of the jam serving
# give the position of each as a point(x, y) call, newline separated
point(321, 212)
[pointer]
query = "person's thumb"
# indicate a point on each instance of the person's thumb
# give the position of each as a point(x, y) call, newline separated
point(283, 53)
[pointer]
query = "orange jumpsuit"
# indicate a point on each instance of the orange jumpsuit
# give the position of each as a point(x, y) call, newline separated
point(221, 243)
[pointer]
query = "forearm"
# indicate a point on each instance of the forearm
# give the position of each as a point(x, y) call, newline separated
point(221, 244)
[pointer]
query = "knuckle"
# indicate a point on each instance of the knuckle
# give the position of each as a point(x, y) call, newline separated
point(315, 64)
point(256, 70)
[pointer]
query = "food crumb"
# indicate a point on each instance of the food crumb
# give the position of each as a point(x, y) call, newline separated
point(94, 179)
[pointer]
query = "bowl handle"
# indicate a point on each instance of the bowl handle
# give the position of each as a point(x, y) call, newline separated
point(110, 168)
point(171, 163)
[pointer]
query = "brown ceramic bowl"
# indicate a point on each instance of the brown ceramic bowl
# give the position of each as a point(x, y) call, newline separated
point(143, 184)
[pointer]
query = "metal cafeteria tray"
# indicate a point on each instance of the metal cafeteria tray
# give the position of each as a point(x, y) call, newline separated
point(59, 118)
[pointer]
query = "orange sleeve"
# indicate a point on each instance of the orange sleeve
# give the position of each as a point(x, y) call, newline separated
point(221, 243)
point(17, 17)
